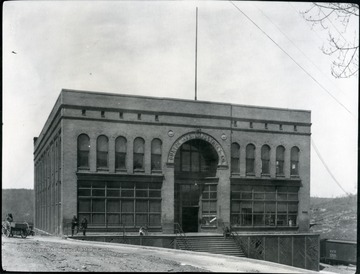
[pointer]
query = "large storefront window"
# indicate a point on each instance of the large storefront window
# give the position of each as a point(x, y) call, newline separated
point(264, 206)
point(209, 201)
point(132, 204)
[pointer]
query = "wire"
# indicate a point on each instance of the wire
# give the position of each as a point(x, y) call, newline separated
point(327, 168)
point(293, 60)
point(299, 49)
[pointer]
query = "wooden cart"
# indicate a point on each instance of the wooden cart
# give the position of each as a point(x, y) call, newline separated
point(12, 228)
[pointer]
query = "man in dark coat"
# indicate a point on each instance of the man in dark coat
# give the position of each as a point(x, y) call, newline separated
point(84, 224)
point(74, 223)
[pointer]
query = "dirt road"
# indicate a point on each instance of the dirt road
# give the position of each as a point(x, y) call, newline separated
point(47, 253)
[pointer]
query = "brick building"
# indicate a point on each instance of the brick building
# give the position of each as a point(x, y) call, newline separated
point(128, 161)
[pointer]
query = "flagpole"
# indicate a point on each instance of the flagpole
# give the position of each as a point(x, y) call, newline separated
point(196, 53)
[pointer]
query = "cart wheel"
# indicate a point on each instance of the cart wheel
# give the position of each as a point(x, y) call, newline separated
point(8, 232)
point(23, 234)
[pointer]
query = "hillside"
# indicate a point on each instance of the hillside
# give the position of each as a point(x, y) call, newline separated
point(19, 202)
point(334, 218)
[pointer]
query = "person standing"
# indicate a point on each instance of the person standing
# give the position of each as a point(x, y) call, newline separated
point(74, 223)
point(84, 224)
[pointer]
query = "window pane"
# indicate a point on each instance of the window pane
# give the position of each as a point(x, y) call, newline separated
point(281, 220)
point(155, 206)
point(205, 206)
point(102, 159)
point(235, 150)
point(141, 206)
point(83, 142)
point(280, 151)
point(235, 207)
point(185, 161)
point(127, 206)
point(120, 160)
point(127, 219)
point(250, 168)
point(258, 219)
point(84, 192)
point(127, 193)
point(293, 208)
point(258, 196)
point(84, 205)
point(141, 219)
point(83, 159)
point(156, 146)
point(113, 184)
point(113, 219)
point(98, 205)
point(141, 193)
point(265, 152)
point(250, 151)
point(154, 186)
point(139, 145)
point(235, 165)
point(212, 206)
point(282, 208)
point(258, 207)
point(138, 161)
point(154, 193)
point(98, 192)
point(97, 184)
point(102, 144)
point(246, 195)
point(294, 154)
point(98, 219)
point(127, 185)
point(120, 145)
point(270, 207)
point(113, 205)
point(235, 195)
point(213, 195)
point(195, 164)
point(155, 162)
point(84, 184)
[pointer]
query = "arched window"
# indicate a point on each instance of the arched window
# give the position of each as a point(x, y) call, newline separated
point(280, 156)
point(120, 153)
point(294, 158)
point(265, 159)
point(83, 148)
point(250, 159)
point(102, 147)
point(139, 154)
point(235, 158)
point(156, 155)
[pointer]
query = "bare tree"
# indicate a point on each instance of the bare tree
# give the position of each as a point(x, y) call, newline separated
point(344, 51)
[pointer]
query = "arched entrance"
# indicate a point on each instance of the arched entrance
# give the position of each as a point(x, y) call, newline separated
point(195, 190)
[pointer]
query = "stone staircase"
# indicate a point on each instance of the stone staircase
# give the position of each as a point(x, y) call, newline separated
point(210, 244)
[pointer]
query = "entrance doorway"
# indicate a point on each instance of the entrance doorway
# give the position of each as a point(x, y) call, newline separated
point(195, 161)
point(190, 219)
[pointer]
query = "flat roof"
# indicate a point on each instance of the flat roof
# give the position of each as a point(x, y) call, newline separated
point(177, 99)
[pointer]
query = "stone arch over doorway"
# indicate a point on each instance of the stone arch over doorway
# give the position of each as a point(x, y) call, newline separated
point(222, 163)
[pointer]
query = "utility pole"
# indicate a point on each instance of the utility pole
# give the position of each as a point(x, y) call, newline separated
point(196, 53)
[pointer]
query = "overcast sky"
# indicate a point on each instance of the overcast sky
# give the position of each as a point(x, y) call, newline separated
point(148, 48)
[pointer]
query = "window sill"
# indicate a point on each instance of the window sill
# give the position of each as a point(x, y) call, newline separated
point(102, 169)
point(156, 171)
point(280, 175)
point(139, 171)
point(250, 174)
point(294, 176)
point(265, 175)
point(83, 168)
point(121, 170)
